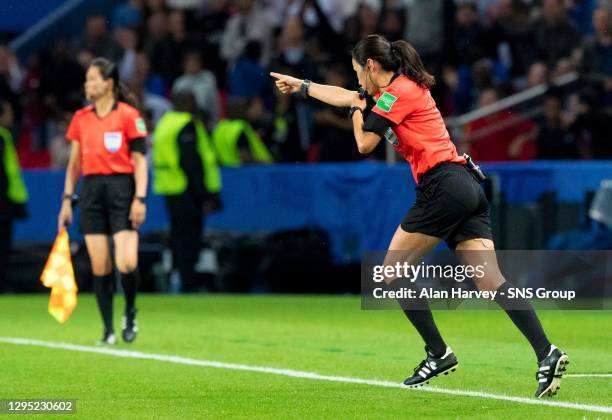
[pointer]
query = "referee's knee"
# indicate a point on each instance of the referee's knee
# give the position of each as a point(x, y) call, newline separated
point(127, 266)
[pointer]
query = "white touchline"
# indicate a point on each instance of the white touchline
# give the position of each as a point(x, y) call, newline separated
point(295, 373)
point(588, 375)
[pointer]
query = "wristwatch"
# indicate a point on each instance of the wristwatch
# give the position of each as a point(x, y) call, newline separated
point(71, 197)
point(143, 200)
point(353, 110)
point(304, 88)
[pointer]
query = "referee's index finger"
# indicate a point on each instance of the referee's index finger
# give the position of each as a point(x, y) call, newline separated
point(276, 75)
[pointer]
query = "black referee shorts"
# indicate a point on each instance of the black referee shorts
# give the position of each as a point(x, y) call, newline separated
point(105, 203)
point(451, 205)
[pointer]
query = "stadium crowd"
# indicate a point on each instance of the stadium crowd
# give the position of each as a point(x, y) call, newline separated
point(222, 50)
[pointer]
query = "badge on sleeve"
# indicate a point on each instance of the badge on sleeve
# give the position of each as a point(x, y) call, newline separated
point(112, 141)
point(141, 126)
point(386, 101)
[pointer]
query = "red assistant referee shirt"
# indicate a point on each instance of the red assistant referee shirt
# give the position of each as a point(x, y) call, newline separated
point(104, 141)
point(422, 138)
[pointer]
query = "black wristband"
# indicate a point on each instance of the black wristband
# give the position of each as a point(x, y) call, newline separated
point(143, 200)
point(70, 197)
point(353, 110)
point(304, 87)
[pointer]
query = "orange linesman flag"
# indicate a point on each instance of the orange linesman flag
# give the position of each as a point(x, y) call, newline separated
point(59, 276)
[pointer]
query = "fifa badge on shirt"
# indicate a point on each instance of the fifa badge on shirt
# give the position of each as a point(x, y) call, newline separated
point(141, 126)
point(386, 101)
point(112, 141)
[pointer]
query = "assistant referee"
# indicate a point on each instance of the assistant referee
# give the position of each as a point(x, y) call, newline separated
point(450, 203)
point(108, 148)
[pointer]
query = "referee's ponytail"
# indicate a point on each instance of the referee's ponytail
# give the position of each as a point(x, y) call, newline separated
point(110, 70)
point(399, 57)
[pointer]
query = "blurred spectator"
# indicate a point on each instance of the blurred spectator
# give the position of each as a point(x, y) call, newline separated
point(363, 23)
point(292, 49)
point(128, 14)
point(249, 78)
point(555, 35)
point(537, 75)
point(250, 23)
point(160, 48)
point(61, 92)
point(467, 43)
point(153, 83)
point(155, 6)
point(153, 106)
point(426, 30)
point(13, 193)
point(59, 147)
point(10, 68)
point(591, 127)
point(11, 77)
point(203, 84)
point(333, 131)
point(392, 20)
point(501, 135)
point(563, 67)
point(184, 5)
point(597, 52)
point(553, 140)
point(516, 29)
point(97, 39)
point(181, 38)
point(128, 41)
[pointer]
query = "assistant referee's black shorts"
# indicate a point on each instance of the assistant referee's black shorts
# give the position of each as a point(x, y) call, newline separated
point(451, 205)
point(105, 203)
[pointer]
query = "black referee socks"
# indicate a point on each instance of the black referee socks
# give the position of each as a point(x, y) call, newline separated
point(104, 287)
point(130, 281)
point(525, 319)
point(418, 312)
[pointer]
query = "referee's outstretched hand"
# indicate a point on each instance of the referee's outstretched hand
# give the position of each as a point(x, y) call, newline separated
point(286, 84)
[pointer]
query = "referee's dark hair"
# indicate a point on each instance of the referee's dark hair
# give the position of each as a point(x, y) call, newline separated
point(398, 56)
point(110, 70)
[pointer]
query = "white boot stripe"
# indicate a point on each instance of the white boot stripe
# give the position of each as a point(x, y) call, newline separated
point(424, 369)
point(422, 375)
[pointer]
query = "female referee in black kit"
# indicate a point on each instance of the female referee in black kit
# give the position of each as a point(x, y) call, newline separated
point(108, 147)
point(450, 204)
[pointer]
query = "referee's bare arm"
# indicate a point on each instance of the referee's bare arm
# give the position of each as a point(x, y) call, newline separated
point(140, 173)
point(332, 95)
point(138, 209)
point(73, 172)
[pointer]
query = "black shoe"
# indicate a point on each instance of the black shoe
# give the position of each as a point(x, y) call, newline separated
point(550, 371)
point(108, 339)
point(432, 367)
point(129, 329)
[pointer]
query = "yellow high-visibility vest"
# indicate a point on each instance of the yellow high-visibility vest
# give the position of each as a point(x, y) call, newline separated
point(226, 136)
point(168, 176)
point(17, 191)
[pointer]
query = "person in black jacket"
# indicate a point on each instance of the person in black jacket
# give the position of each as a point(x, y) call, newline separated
point(11, 208)
point(186, 210)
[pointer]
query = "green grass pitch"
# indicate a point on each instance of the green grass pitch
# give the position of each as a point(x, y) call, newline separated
point(328, 335)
